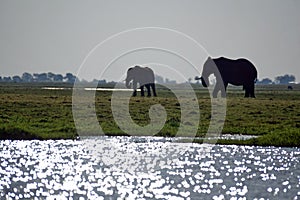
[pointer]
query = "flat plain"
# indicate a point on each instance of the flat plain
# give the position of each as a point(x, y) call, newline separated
point(28, 111)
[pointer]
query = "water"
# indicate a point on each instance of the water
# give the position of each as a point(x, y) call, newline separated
point(145, 168)
point(92, 89)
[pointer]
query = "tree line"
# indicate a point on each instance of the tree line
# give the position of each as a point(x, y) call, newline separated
point(39, 77)
point(70, 78)
point(285, 79)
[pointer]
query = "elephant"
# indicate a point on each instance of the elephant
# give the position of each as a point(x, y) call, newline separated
point(142, 75)
point(236, 72)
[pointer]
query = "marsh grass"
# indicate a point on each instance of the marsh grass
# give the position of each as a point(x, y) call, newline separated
point(35, 113)
point(27, 111)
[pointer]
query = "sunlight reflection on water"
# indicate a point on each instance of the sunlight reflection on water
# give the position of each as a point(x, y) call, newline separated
point(65, 168)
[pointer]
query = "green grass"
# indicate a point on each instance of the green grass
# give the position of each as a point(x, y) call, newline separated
point(27, 112)
point(35, 113)
point(290, 138)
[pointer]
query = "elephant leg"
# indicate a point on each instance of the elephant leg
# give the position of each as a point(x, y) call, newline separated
point(142, 91)
point(134, 89)
point(252, 91)
point(134, 93)
point(223, 90)
point(148, 90)
point(153, 89)
point(215, 92)
point(246, 87)
point(220, 87)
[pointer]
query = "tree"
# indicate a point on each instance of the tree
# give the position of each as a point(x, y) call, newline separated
point(168, 81)
point(50, 76)
point(159, 79)
point(58, 78)
point(103, 81)
point(16, 79)
point(265, 81)
point(41, 77)
point(286, 79)
point(7, 79)
point(70, 77)
point(27, 77)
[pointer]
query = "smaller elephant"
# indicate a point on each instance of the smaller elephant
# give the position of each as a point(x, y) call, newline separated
point(142, 75)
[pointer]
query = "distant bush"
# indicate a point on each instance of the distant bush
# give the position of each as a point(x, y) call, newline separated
point(40, 78)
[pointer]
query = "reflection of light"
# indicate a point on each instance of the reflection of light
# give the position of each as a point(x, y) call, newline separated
point(110, 89)
point(56, 88)
point(71, 171)
point(91, 89)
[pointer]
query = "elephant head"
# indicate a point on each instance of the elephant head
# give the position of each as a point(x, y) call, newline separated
point(130, 76)
point(209, 68)
point(202, 81)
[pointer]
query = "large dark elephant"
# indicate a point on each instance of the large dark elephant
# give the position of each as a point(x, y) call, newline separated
point(142, 75)
point(236, 72)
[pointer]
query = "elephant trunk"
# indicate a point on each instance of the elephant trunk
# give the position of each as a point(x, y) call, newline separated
point(204, 82)
point(128, 85)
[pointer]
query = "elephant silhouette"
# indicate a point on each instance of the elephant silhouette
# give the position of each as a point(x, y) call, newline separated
point(142, 75)
point(236, 72)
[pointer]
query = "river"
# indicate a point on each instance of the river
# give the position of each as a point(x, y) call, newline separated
point(145, 168)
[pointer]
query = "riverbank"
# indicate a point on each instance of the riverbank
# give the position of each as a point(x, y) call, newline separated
point(30, 112)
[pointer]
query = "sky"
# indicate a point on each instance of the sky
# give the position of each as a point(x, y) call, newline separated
point(64, 36)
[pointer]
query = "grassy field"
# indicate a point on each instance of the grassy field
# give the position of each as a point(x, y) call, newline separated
point(27, 111)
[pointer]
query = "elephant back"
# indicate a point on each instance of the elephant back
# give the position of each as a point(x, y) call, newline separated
point(145, 75)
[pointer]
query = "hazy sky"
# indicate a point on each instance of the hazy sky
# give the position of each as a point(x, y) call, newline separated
point(56, 36)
